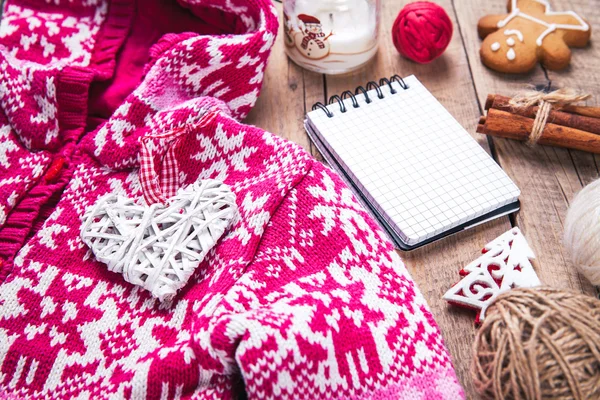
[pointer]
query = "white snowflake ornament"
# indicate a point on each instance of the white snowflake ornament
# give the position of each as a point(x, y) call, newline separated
point(503, 265)
point(158, 247)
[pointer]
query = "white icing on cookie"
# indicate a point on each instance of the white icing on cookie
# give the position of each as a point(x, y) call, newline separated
point(510, 54)
point(551, 28)
point(583, 26)
point(495, 46)
point(515, 11)
point(510, 41)
point(517, 32)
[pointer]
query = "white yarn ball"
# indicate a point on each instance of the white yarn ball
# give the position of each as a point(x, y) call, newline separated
point(582, 232)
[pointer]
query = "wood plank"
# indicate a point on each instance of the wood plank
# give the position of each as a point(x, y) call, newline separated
point(583, 74)
point(435, 267)
point(547, 177)
point(287, 93)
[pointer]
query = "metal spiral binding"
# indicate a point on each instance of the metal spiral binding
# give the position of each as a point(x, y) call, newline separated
point(372, 85)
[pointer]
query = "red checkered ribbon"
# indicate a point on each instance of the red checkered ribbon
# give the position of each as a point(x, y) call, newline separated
point(158, 166)
point(159, 170)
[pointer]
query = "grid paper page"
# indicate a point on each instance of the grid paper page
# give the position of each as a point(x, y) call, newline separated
point(416, 165)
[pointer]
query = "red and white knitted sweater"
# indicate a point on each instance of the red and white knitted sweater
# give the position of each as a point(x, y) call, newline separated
point(304, 298)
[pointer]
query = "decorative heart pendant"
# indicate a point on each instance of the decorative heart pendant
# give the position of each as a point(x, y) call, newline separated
point(158, 247)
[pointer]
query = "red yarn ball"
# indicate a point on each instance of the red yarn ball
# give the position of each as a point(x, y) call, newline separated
point(422, 31)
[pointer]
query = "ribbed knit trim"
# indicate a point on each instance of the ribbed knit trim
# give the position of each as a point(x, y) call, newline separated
point(112, 34)
point(72, 96)
point(21, 219)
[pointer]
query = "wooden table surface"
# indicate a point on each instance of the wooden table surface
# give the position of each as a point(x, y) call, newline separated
point(548, 177)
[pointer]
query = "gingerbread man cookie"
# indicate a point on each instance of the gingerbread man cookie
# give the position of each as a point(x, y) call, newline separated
point(528, 34)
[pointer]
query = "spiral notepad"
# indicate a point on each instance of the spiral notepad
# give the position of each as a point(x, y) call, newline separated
point(409, 161)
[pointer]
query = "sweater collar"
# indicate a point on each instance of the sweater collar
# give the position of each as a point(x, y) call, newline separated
point(46, 81)
point(188, 75)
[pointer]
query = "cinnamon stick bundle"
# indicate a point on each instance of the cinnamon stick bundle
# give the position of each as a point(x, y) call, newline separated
point(571, 120)
point(562, 129)
point(512, 126)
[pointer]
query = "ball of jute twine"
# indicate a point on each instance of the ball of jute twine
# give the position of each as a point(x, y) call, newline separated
point(539, 343)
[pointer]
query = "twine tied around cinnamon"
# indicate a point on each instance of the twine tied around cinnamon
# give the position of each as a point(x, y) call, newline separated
point(546, 102)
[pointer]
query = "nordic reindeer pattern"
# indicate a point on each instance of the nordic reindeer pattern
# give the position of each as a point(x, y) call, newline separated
point(303, 297)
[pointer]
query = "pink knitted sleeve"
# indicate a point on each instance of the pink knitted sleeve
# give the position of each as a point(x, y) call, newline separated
point(327, 309)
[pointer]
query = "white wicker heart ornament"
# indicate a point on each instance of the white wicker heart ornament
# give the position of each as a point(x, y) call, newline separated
point(158, 247)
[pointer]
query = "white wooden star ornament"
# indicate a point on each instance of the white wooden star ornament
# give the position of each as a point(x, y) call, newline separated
point(503, 265)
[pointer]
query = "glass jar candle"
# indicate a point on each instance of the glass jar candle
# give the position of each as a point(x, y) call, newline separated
point(331, 36)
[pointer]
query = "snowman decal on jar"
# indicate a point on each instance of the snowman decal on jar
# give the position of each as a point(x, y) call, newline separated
point(312, 42)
